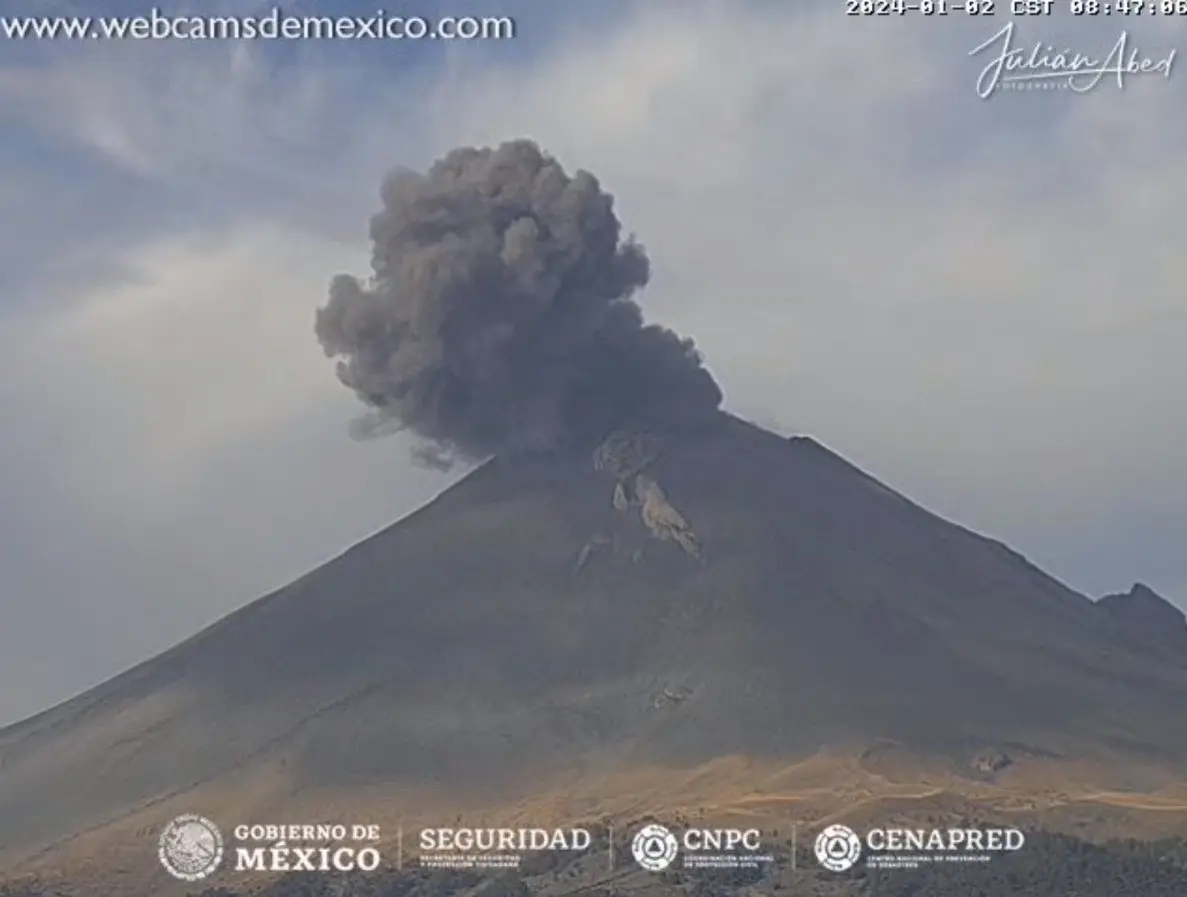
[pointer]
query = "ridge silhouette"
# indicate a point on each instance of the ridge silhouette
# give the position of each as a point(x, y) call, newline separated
point(461, 651)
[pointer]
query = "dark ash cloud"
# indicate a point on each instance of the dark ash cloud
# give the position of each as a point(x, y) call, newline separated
point(499, 318)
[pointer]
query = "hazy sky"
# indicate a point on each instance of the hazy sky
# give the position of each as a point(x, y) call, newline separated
point(979, 301)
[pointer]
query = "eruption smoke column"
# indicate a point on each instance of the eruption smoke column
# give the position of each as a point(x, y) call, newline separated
point(499, 318)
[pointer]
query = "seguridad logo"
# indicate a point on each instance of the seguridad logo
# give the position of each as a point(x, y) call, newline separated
point(494, 848)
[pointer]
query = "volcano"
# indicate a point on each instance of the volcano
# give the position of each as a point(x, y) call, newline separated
point(556, 625)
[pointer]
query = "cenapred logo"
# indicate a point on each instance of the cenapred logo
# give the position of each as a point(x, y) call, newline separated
point(838, 848)
point(190, 847)
point(654, 848)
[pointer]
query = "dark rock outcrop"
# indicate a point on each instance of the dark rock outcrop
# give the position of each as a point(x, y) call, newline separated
point(1145, 617)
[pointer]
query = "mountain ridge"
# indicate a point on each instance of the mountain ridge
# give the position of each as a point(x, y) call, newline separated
point(459, 651)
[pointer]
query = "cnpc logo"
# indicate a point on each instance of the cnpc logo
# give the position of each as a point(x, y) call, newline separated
point(655, 847)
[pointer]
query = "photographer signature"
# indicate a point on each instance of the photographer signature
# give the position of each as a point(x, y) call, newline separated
point(1014, 66)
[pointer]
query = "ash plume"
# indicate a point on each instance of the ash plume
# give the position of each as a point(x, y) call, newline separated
point(499, 317)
